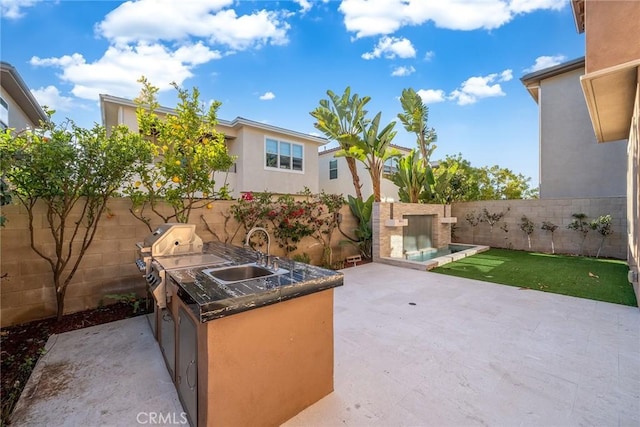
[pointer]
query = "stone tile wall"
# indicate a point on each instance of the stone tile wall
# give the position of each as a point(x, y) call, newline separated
point(387, 239)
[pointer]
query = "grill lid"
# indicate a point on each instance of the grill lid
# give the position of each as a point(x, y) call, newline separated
point(173, 239)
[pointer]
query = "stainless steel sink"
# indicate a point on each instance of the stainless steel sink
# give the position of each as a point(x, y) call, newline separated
point(241, 273)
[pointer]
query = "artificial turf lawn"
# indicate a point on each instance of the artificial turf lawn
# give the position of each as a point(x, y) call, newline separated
point(592, 278)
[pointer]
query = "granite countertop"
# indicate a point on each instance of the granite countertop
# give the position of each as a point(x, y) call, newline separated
point(209, 299)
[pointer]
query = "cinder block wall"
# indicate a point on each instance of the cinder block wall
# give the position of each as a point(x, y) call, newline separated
point(108, 267)
point(387, 240)
point(507, 233)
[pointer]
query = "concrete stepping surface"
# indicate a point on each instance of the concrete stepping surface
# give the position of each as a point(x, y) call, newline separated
point(106, 375)
point(412, 348)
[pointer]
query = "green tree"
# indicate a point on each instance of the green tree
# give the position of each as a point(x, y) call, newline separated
point(414, 117)
point(464, 184)
point(188, 152)
point(342, 119)
point(410, 177)
point(579, 224)
point(374, 149)
point(501, 183)
point(527, 226)
point(323, 210)
point(363, 211)
point(438, 182)
point(551, 228)
point(603, 226)
point(73, 171)
point(471, 183)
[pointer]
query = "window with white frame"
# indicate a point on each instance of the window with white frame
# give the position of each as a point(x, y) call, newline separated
point(4, 114)
point(333, 169)
point(390, 166)
point(283, 155)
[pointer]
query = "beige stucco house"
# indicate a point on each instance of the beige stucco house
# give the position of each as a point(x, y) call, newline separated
point(335, 176)
point(18, 107)
point(611, 86)
point(269, 158)
point(571, 162)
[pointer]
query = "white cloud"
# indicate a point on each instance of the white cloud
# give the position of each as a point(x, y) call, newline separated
point(305, 5)
point(526, 6)
point(267, 96)
point(164, 40)
point(13, 9)
point(62, 62)
point(169, 20)
point(475, 88)
point(375, 17)
point(391, 47)
point(403, 71)
point(431, 96)
point(117, 72)
point(429, 55)
point(506, 75)
point(50, 96)
point(543, 62)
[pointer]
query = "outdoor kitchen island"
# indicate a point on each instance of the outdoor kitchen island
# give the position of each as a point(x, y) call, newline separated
point(253, 351)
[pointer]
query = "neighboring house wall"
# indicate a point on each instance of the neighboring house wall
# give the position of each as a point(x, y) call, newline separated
point(611, 88)
point(253, 174)
point(16, 119)
point(18, 107)
point(572, 164)
point(633, 191)
point(556, 211)
point(611, 33)
point(343, 181)
point(247, 140)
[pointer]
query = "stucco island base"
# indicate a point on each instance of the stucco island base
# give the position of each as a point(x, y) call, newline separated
point(263, 366)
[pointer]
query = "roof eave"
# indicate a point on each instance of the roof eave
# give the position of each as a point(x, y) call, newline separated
point(609, 94)
point(19, 91)
point(237, 122)
point(532, 80)
point(578, 14)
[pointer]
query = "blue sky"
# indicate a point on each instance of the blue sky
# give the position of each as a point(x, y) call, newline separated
point(272, 61)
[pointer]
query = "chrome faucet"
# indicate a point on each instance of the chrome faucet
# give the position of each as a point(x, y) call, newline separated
point(266, 233)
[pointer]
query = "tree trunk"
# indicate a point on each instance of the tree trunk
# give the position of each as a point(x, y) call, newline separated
point(59, 301)
point(375, 183)
point(351, 162)
point(414, 196)
point(600, 247)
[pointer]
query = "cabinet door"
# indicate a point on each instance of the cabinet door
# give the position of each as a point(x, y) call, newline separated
point(188, 365)
point(168, 340)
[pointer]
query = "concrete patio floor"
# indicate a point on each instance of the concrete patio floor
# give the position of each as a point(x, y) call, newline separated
point(411, 349)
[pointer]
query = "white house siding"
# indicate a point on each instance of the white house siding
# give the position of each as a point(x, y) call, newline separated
point(343, 184)
point(252, 174)
point(247, 142)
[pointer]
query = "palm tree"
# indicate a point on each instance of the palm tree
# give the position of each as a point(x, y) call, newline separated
point(414, 118)
point(373, 149)
point(342, 118)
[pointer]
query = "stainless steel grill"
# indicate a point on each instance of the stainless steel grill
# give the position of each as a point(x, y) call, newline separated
point(170, 246)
